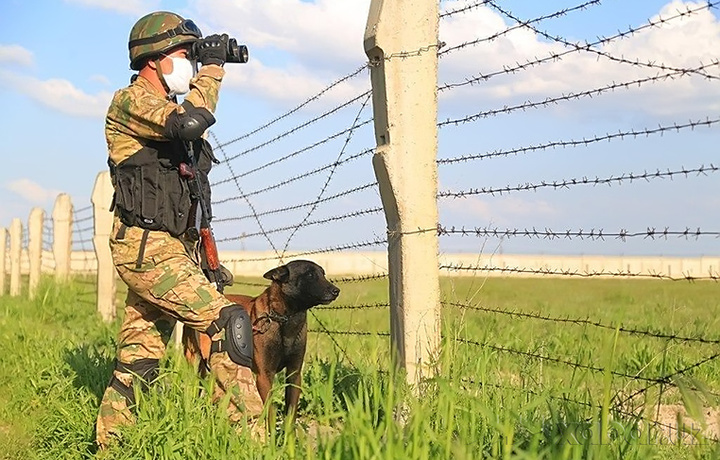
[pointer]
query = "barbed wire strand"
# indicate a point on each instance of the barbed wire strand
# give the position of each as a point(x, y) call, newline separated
point(553, 57)
point(567, 183)
point(660, 130)
point(587, 48)
point(571, 96)
point(593, 234)
point(290, 112)
point(584, 322)
point(252, 208)
point(331, 174)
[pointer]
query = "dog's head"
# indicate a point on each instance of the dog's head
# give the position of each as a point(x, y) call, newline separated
point(304, 282)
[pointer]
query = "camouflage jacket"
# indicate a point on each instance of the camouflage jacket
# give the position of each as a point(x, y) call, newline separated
point(138, 113)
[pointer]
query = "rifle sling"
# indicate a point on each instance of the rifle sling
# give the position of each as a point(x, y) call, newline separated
point(141, 252)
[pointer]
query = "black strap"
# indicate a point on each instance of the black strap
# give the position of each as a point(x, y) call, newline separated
point(124, 390)
point(141, 252)
point(145, 368)
point(121, 232)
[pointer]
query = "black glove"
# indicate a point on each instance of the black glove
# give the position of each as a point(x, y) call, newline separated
point(212, 49)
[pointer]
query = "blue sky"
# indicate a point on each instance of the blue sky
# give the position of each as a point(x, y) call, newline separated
point(60, 62)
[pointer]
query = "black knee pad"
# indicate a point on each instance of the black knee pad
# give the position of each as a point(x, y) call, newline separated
point(237, 340)
point(146, 369)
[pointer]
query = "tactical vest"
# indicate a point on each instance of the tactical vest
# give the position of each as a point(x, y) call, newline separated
point(150, 193)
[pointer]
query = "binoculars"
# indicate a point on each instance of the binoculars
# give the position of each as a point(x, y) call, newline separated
point(233, 52)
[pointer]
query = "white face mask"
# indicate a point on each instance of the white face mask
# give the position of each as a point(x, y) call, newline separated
point(178, 81)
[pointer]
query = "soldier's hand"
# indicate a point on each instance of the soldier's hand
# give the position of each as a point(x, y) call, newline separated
point(213, 49)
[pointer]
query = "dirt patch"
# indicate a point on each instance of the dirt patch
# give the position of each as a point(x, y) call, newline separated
point(674, 423)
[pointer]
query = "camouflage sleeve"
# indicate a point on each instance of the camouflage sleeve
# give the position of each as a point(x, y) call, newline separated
point(204, 88)
point(138, 113)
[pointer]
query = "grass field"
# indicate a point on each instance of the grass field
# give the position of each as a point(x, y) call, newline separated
point(507, 386)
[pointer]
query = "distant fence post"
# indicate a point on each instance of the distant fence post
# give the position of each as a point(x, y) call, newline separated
point(3, 259)
point(106, 288)
point(401, 42)
point(15, 255)
point(62, 236)
point(35, 246)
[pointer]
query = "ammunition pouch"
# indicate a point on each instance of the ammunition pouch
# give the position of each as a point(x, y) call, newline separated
point(151, 194)
point(238, 338)
point(145, 370)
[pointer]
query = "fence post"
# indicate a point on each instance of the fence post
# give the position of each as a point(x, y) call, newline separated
point(15, 256)
point(401, 41)
point(3, 259)
point(62, 236)
point(103, 219)
point(35, 246)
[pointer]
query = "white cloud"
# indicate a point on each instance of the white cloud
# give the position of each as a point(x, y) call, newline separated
point(681, 43)
point(303, 46)
point(498, 211)
point(133, 7)
point(58, 94)
point(102, 79)
point(15, 54)
point(32, 191)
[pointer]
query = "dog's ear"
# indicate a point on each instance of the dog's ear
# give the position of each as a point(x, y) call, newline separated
point(279, 274)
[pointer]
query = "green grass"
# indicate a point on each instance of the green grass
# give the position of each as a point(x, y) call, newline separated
point(493, 400)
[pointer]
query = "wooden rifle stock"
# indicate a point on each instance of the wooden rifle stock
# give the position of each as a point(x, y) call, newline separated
point(211, 254)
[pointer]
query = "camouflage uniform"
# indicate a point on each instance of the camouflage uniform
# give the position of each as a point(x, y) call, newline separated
point(166, 284)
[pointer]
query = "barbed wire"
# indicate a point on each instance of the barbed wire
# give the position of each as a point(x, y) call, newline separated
point(660, 130)
point(247, 200)
point(592, 234)
point(507, 30)
point(338, 248)
point(589, 49)
point(297, 177)
point(293, 154)
point(577, 273)
point(335, 342)
point(625, 177)
point(324, 221)
point(297, 128)
point(330, 175)
point(359, 278)
point(290, 112)
point(666, 380)
point(353, 307)
point(553, 57)
point(464, 9)
point(357, 333)
point(585, 322)
point(572, 96)
point(301, 205)
point(564, 398)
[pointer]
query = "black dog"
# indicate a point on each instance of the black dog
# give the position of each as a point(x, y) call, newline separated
point(279, 318)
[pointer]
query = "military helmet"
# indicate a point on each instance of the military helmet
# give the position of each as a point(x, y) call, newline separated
point(158, 32)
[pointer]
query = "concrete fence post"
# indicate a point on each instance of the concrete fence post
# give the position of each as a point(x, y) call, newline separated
point(401, 42)
point(16, 229)
point(62, 236)
point(3, 259)
point(35, 247)
point(103, 221)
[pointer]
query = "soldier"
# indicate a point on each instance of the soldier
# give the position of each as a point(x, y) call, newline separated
point(154, 238)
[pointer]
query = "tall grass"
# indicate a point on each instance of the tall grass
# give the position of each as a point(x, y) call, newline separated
point(56, 358)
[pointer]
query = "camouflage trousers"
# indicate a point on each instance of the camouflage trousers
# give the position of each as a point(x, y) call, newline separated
point(166, 285)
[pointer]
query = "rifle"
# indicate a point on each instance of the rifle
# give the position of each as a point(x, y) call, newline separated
point(215, 272)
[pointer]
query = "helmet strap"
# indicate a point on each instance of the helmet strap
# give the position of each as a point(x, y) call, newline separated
point(160, 75)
